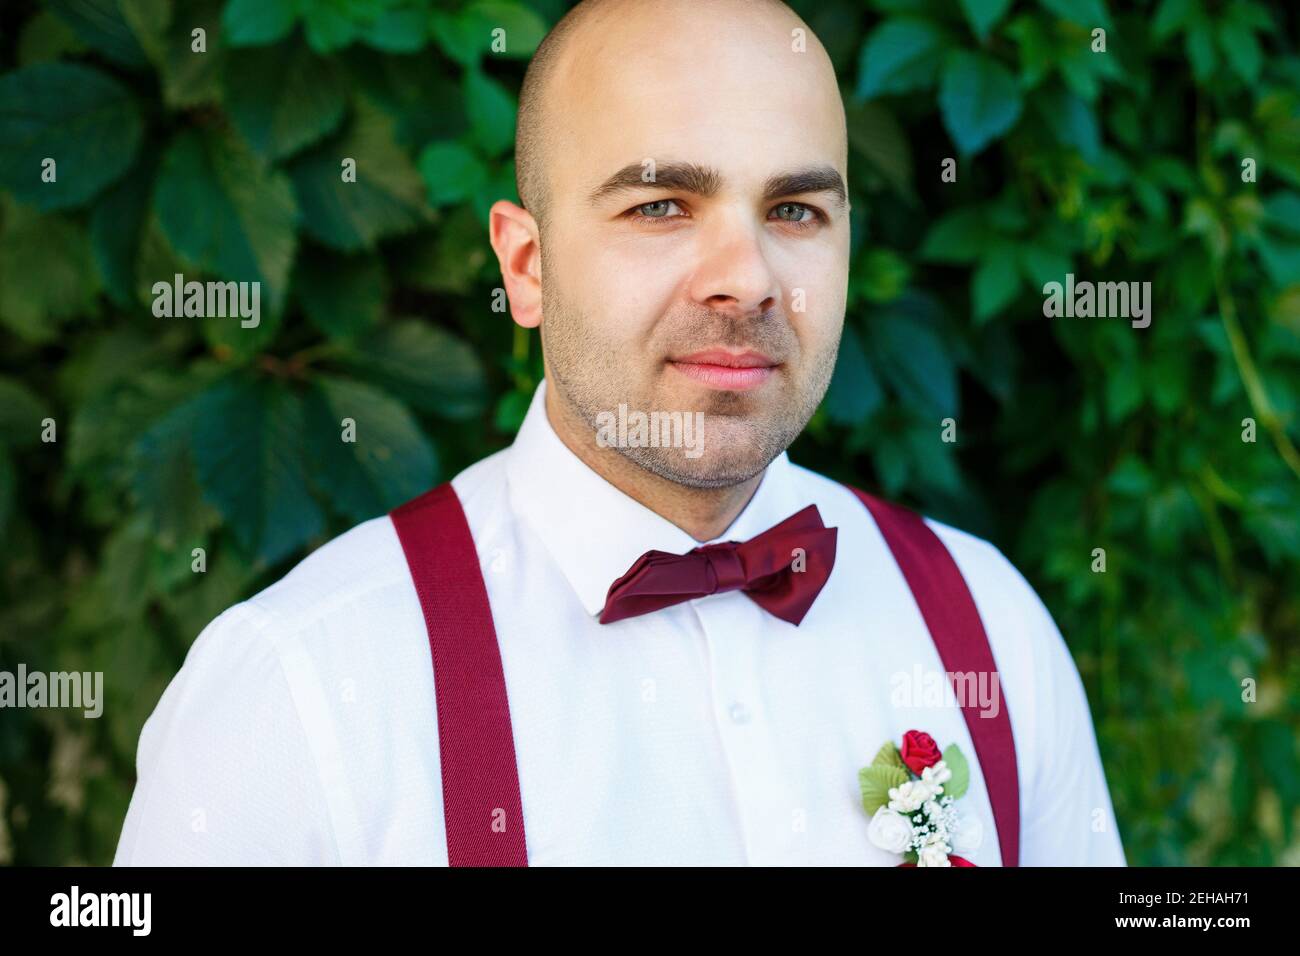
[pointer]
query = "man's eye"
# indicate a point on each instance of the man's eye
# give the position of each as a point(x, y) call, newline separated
point(794, 212)
point(655, 210)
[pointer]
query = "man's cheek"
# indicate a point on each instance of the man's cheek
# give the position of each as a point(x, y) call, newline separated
point(629, 306)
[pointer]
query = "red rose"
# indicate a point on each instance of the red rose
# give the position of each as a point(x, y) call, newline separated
point(920, 751)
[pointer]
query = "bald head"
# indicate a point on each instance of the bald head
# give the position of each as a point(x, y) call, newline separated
point(569, 60)
point(684, 242)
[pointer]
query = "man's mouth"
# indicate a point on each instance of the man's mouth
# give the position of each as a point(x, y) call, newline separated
point(726, 370)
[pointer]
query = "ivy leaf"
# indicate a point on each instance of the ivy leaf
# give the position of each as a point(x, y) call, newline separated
point(101, 25)
point(875, 783)
point(1086, 13)
point(452, 172)
point(425, 366)
point(388, 461)
point(225, 211)
point(996, 282)
point(855, 393)
point(190, 77)
point(258, 22)
point(980, 100)
point(248, 450)
point(983, 15)
point(148, 20)
point(878, 138)
point(1283, 211)
point(1241, 49)
point(460, 38)
point(1172, 16)
point(283, 98)
point(44, 38)
point(467, 35)
point(88, 123)
point(117, 226)
point(164, 484)
point(959, 237)
point(1281, 260)
point(403, 87)
point(908, 345)
point(1040, 264)
point(329, 25)
point(448, 261)
point(342, 295)
point(523, 30)
point(1198, 42)
point(492, 112)
point(956, 762)
point(901, 55)
point(387, 198)
point(879, 275)
point(47, 274)
point(21, 411)
point(1071, 120)
point(229, 336)
point(398, 30)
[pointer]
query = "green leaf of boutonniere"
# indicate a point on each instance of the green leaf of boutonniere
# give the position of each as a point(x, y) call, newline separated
point(875, 782)
point(888, 756)
point(956, 762)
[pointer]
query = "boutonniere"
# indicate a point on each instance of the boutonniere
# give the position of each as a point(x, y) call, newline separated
point(910, 795)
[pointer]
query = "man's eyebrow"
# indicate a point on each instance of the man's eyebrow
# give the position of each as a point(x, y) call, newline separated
point(812, 179)
point(705, 181)
point(686, 177)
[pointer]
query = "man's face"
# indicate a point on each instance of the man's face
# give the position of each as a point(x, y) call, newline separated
point(718, 287)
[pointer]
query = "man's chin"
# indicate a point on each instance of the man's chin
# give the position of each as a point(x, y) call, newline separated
point(727, 452)
point(693, 474)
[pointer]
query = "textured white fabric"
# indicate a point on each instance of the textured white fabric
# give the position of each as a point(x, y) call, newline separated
point(302, 727)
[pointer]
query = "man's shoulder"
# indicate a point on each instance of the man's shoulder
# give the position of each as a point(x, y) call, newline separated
point(354, 567)
point(363, 564)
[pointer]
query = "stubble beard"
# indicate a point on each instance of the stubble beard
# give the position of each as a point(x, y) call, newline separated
point(589, 379)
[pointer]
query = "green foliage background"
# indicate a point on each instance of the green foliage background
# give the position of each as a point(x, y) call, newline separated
point(1073, 434)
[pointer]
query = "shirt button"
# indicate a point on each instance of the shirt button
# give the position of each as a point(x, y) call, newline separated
point(739, 715)
point(498, 561)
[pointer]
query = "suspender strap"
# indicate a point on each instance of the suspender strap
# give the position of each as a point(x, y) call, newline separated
point(480, 780)
point(958, 633)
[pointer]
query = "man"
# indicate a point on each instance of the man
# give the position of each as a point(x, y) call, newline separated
point(537, 664)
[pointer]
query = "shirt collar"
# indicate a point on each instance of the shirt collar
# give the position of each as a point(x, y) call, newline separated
point(593, 530)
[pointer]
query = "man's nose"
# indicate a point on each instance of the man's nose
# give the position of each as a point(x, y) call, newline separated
point(733, 275)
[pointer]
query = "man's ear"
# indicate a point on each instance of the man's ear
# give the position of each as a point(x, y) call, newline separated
point(513, 233)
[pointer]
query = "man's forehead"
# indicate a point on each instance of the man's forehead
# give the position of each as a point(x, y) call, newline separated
point(741, 128)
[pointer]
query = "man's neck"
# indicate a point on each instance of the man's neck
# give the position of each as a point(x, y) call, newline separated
point(703, 513)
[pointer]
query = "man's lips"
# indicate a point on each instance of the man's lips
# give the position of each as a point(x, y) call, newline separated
point(729, 371)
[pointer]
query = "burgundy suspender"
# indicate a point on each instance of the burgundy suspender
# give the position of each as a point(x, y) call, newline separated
point(958, 633)
point(480, 781)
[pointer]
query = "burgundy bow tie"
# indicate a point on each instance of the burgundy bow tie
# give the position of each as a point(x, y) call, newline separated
point(782, 570)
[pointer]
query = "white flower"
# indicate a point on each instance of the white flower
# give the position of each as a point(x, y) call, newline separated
point(890, 831)
point(910, 796)
point(936, 774)
point(934, 852)
point(932, 856)
point(968, 835)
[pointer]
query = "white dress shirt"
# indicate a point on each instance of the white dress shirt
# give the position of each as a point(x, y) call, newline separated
point(302, 728)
